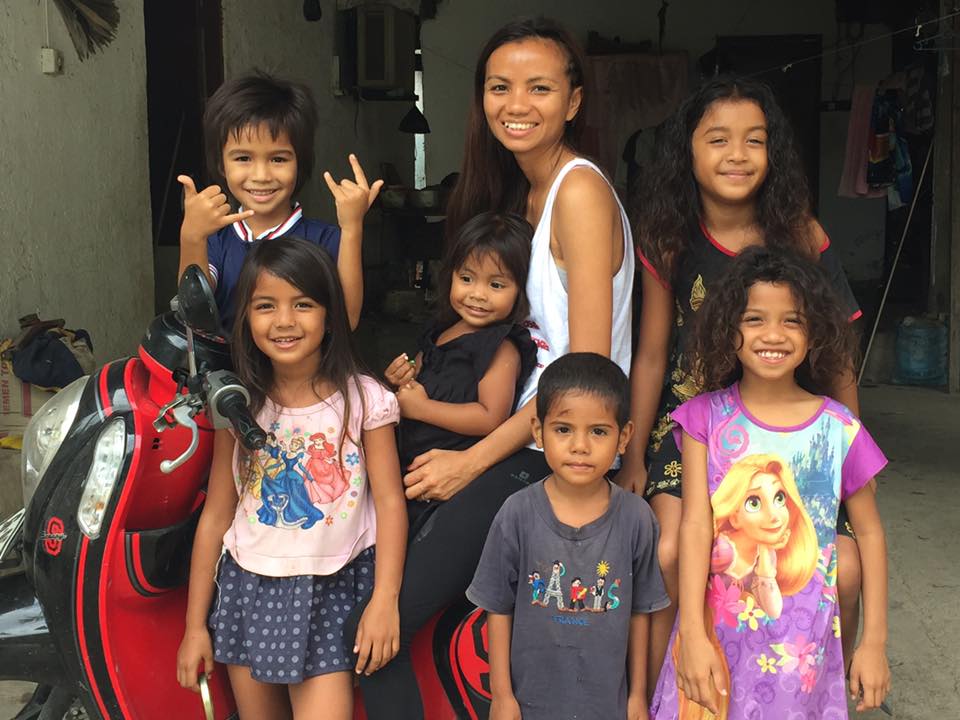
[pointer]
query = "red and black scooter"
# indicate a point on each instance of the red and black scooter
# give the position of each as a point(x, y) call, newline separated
point(93, 571)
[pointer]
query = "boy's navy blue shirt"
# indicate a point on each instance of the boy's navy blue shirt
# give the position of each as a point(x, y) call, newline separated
point(228, 248)
point(571, 592)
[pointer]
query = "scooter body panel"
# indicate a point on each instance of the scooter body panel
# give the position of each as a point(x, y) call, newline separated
point(117, 612)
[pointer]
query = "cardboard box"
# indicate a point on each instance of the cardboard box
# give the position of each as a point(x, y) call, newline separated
point(19, 401)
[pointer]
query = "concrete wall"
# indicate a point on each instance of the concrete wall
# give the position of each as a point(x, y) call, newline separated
point(74, 194)
point(273, 36)
point(453, 40)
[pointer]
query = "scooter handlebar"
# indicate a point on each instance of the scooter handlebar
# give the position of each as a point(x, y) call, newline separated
point(233, 406)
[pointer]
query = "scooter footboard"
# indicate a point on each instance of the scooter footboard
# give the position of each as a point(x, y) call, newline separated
point(159, 560)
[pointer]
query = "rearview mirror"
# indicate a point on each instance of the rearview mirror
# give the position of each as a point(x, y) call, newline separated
point(197, 306)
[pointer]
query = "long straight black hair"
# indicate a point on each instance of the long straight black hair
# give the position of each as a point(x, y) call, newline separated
point(491, 178)
point(312, 271)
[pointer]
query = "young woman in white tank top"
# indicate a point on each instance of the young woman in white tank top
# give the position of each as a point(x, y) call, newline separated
point(526, 118)
point(548, 286)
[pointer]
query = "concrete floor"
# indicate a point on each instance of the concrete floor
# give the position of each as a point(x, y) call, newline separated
point(920, 432)
point(920, 501)
point(13, 696)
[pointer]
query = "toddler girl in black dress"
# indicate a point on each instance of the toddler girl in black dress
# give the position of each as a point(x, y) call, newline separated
point(475, 357)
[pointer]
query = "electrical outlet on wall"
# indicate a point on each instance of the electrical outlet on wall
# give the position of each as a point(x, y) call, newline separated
point(51, 61)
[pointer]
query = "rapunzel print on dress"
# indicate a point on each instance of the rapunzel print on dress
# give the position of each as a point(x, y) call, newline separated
point(771, 596)
point(765, 549)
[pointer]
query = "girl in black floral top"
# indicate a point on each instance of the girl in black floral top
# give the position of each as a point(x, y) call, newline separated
point(727, 176)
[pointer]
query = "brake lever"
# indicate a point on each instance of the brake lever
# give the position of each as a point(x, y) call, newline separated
point(163, 420)
point(183, 415)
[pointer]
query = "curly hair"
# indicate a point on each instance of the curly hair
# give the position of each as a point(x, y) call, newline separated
point(831, 342)
point(667, 202)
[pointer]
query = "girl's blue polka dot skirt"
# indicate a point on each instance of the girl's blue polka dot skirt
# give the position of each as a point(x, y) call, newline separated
point(287, 629)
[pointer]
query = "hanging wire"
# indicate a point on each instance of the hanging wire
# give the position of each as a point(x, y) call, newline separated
point(453, 61)
point(914, 28)
point(784, 67)
point(849, 68)
point(928, 44)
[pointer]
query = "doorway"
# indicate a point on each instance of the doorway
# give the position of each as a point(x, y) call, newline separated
point(184, 50)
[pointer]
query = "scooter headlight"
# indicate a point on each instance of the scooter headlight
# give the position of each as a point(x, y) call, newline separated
point(102, 477)
point(44, 433)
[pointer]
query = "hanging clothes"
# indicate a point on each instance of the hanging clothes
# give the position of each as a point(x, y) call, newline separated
point(853, 181)
point(918, 110)
point(877, 161)
point(900, 191)
point(881, 164)
point(633, 91)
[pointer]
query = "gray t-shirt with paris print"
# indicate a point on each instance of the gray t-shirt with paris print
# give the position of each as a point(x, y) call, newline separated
point(571, 592)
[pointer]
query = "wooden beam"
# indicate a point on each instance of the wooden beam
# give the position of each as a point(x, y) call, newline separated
point(953, 353)
point(938, 298)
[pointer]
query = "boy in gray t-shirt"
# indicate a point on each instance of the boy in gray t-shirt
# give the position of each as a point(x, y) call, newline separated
point(569, 571)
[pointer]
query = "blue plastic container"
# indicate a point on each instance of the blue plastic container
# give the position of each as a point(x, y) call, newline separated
point(921, 352)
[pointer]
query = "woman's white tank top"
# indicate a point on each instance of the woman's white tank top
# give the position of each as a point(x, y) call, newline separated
point(547, 292)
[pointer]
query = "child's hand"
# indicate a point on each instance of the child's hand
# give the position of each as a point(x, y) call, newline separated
point(411, 398)
point(401, 371)
point(700, 673)
point(378, 634)
point(205, 212)
point(353, 198)
point(869, 676)
point(195, 648)
point(632, 475)
point(504, 708)
point(637, 708)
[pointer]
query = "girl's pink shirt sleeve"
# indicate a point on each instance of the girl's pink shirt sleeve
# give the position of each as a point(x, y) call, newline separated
point(863, 461)
point(693, 417)
point(382, 407)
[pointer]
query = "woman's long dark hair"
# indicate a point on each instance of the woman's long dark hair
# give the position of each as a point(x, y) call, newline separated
point(668, 205)
point(312, 271)
point(491, 178)
point(831, 342)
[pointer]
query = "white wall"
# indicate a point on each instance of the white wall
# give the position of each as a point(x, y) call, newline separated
point(74, 189)
point(453, 40)
point(273, 36)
